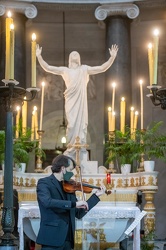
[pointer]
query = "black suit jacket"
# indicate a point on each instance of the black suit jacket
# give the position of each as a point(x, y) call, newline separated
point(57, 212)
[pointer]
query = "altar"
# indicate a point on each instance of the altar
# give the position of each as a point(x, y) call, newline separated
point(101, 226)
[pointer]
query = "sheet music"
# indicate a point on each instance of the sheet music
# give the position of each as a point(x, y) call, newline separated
point(135, 222)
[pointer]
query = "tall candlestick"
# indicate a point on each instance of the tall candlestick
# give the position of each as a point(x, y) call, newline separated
point(36, 123)
point(109, 119)
point(150, 59)
point(42, 105)
point(113, 122)
point(9, 21)
point(24, 115)
point(32, 126)
point(113, 96)
point(17, 121)
point(33, 60)
point(141, 97)
point(122, 114)
point(155, 62)
point(12, 51)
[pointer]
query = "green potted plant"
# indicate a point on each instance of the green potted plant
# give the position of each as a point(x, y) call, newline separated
point(122, 149)
point(152, 144)
point(147, 241)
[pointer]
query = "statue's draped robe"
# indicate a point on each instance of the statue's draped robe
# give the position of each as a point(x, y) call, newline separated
point(76, 106)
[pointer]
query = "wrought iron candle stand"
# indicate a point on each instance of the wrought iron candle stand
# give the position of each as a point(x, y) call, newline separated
point(157, 95)
point(10, 95)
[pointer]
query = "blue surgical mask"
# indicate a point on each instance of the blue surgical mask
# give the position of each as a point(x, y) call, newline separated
point(67, 175)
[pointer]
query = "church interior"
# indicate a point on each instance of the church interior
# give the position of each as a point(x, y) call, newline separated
point(90, 27)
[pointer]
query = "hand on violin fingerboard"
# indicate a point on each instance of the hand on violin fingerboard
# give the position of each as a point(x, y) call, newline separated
point(82, 204)
point(100, 191)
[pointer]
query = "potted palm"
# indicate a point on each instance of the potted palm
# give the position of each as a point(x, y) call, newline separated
point(152, 145)
point(122, 150)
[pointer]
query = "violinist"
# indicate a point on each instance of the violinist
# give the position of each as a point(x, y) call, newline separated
point(59, 208)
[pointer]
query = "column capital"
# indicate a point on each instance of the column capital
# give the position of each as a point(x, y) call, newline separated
point(29, 10)
point(130, 10)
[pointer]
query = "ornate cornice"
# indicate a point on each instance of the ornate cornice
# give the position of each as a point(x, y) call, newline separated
point(28, 9)
point(130, 10)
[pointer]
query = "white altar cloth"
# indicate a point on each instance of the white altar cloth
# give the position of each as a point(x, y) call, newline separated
point(101, 211)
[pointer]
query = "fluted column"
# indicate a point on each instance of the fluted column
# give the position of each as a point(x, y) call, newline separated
point(117, 18)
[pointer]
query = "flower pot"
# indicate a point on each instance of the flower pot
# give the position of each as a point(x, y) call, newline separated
point(149, 166)
point(20, 167)
point(125, 168)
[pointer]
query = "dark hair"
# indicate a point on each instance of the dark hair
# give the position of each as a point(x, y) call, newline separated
point(59, 161)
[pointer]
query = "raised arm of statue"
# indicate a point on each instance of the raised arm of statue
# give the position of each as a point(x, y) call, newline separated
point(48, 68)
point(102, 68)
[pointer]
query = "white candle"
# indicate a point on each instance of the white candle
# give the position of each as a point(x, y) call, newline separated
point(131, 121)
point(113, 122)
point(33, 60)
point(141, 97)
point(155, 60)
point(135, 120)
point(32, 126)
point(9, 21)
point(24, 115)
point(113, 96)
point(17, 121)
point(36, 123)
point(109, 119)
point(150, 59)
point(42, 105)
point(12, 51)
point(122, 114)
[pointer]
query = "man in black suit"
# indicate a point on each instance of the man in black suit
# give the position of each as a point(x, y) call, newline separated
point(58, 209)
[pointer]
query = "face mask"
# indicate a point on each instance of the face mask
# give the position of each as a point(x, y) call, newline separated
point(67, 176)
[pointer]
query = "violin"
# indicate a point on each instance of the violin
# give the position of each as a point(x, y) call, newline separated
point(73, 186)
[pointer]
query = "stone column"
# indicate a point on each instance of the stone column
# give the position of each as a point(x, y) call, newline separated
point(117, 18)
point(20, 13)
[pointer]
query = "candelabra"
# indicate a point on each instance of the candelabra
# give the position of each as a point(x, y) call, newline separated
point(10, 95)
point(39, 161)
point(157, 95)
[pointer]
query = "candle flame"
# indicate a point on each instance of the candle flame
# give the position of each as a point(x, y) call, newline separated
point(109, 109)
point(11, 26)
point(136, 112)
point(150, 45)
point(63, 140)
point(122, 99)
point(156, 32)
point(34, 108)
point(9, 14)
point(18, 108)
point(43, 83)
point(113, 84)
point(113, 113)
point(141, 81)
point(132, 108)
point(33, 37)
point(25, 98)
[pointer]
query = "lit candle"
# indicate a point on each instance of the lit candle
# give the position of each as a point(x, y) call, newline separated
point(42, 105)
point(32, 125)
point(150, 58)
point(24, 115)
point(108, 178)
point(109, 118)
point(17, 121)
point(131, 120)
point(11, 51)
point(141, 97)
point(113, 96)
point(135, 120)
point(33, 60)
point(36, 123)
point(155, 60)
point(113, 122)
point(9, 21)
point(122, 114)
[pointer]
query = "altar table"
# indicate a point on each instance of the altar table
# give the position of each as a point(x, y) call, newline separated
point(102, 216)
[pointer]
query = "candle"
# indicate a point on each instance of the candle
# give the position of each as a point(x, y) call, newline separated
point(9, 21)
point(33, 60)
point(32, 126)
point(122, 115)
point(24, 115)
point(109, 119)
point(131, 120)
point(113, 122)
point(17, 121)
point(141, 97)
point(108, 178)
point(42, 105)
point(113, 96)
point(150, 59)
point(11, 51)
point(135, 120)
point(155, 60)
point(36, 123)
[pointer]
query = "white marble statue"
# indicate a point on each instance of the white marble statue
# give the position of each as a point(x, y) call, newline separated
point(76, 77)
